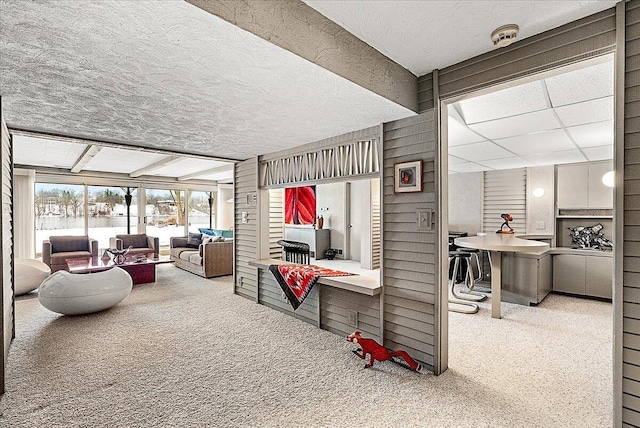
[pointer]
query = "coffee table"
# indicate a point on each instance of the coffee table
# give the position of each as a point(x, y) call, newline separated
point(141, 271)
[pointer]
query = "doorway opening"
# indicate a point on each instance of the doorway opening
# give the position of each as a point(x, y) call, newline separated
point(540, 150)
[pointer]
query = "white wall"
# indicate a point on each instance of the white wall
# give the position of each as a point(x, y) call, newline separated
point(224, 209)
point(24, 214)
point(360, 242)
point(465, 202)
point(330, 203)
point(541, 210)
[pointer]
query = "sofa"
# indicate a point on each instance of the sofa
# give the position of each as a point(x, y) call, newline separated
point(208, 260)
point(57, 249)
point(140, 243)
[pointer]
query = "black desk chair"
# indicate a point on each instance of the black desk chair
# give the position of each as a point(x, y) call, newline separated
point(296, 252)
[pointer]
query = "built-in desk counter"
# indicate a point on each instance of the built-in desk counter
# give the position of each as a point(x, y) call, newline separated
point(356, 283)
point(528, 276)
point(337, 304)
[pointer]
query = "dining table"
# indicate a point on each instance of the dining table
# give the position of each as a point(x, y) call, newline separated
point(497, 244)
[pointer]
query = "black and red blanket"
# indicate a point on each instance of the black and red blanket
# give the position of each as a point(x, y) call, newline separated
point(297, 281)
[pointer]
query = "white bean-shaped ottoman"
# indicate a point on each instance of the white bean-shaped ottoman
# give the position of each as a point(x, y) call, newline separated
point(76, 294)
point(29, 274)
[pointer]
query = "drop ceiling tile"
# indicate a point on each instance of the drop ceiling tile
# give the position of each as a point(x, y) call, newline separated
point(586, 112)
point(507, 163)
point(520, 99)
point(593, 134)
point(523, 124)
point(540, 142)
point(47, 153)
point(599, 153)
point(479, 151)
point(581, 85)
point(468, 167)
point(566, 156)
point(454, 160)
point(459, 134)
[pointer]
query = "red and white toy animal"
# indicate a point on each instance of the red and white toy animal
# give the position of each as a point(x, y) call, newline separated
point(378, 352)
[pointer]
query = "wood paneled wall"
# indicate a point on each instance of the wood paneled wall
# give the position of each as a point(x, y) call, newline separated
point(7, 325)
point(276, 222)
point(409, 255)
point(631, 229)
point(376, 225)
point(246, 234)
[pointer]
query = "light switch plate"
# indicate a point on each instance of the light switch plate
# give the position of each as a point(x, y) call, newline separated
point(245, 217)
point(424, 220)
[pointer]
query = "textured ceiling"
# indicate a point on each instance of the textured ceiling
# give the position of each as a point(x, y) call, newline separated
point(167, 75)
point(561, 119)
point(425, 35)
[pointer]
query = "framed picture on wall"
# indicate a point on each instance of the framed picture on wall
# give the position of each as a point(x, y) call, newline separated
point(408, 177)
point(300, 205)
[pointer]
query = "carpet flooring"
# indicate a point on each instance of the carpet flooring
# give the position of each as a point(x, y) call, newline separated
point(187, 352)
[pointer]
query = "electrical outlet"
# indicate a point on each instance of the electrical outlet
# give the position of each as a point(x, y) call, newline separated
point(540, 225)
point(353, 318)
point(339, 251)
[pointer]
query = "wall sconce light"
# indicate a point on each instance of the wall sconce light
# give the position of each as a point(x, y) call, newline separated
point(609, 179)
point(538, 192)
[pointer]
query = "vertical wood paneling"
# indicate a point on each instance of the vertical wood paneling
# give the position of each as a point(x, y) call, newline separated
point(276, 222)
point(409, 254)
point(505, 192)
point(631, 233)
point(246, 234)
point(6, 253)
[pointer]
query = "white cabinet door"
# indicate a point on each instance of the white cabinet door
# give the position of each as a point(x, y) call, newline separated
point(600, 196)
point(573, 186)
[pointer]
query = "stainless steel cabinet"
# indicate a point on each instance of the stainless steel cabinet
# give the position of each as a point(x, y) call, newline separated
point(599, 277)
point(526, 278)
point(587, 275)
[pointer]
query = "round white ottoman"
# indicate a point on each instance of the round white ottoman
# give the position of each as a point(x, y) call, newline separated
point(75, 294)
point(29, 274)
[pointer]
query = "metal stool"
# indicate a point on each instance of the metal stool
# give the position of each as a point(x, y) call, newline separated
point(467, 308)
point(470, 284)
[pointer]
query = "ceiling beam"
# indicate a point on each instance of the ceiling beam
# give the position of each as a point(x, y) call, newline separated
point(302, 30)
point(85, 157)
point(157, 165)
point(216, 170)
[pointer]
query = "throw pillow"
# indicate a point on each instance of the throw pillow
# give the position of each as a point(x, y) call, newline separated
point(206, 239)
point(206, 231)
point(194, 240)
point(218, 239)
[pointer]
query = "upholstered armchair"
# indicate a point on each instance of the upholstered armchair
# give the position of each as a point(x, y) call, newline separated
point(57, 249)
point(140, 243)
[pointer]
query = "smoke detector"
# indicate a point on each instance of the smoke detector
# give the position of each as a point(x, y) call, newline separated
point(505, 35)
